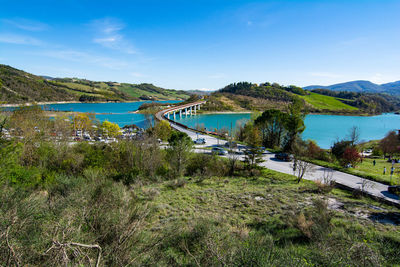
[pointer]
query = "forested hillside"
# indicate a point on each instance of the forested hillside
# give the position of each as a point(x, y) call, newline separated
point(248, 96)
point(370, 102)
point(17, 86)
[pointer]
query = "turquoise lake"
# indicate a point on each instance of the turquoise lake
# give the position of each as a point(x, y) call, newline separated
point(324, 129)
point(119, 113)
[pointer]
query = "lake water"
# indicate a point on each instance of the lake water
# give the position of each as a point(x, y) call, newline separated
point(115, 112)
point(324, 129)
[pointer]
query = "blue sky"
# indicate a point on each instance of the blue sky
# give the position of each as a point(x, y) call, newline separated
point(204, 44)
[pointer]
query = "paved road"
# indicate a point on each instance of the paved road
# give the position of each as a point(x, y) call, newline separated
point(372, 188)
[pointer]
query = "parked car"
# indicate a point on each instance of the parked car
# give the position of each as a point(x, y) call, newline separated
point(230, 145)
point(219, 151)
point(394, 189)
point(200, 141)
point(284, 156)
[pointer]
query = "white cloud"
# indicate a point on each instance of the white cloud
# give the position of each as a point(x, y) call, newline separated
point(380, 78)
point(26, 24)
point(78, 56)
point(108, 34)
point(19, 39)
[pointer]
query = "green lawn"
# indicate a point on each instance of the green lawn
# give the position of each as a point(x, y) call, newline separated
point(326, 102)
point(367, 170)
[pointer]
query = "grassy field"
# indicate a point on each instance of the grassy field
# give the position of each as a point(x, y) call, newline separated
point(326, 102)
point(204, 218)
point(367, 170)
point(241, 201)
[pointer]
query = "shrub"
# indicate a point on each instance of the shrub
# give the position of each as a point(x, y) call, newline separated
point(339, 147)
point(206, 165)
point(350, 156)
point(175, 184)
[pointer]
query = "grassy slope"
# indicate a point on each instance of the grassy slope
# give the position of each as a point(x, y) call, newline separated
point(235, 102)
point(17, 86)
point(235, 199)
point(232, 202)
point(153, 91)
point(326, 102)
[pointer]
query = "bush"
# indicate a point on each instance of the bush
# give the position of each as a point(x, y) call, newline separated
point(339, 147)
point(177, 183)
point(206, 165)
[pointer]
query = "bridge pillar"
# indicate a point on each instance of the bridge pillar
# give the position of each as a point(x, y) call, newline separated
point(199, 106)
point(195, 108)
point(180, 113)
point(168, 115)
point(174, 115)
point(191, 111)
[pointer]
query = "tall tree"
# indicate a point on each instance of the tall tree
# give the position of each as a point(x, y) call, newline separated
point(294, 124)
point(110, 129)
point(180, 146)
point(253, 153)
point(163, 130)
point(272, 124)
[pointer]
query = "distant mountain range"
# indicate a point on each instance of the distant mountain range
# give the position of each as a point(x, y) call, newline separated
point(392, 88)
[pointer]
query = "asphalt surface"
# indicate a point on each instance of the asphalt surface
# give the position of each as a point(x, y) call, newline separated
point(371, 188)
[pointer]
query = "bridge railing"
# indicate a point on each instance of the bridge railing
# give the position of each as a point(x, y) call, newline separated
point(161, 116)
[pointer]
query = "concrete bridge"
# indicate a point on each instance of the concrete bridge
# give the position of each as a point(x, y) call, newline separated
point(182, 110)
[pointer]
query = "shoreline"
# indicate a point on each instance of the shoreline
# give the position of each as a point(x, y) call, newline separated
point(225, 112)
point(73, 102)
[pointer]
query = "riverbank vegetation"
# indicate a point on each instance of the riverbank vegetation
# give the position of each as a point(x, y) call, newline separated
point(133, 203)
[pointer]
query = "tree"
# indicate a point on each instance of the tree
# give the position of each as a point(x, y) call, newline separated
point(272, 124)
point(163, 130)
point(62, 126)
point(354, 135)
point(390, 144)
point(339, 147)
point(253, 153)
point(351, 156)
point(83, 121)
point(30, 122)
point(110, 129)
point(180, 146)
point(301, 168)
point(294, 124)
point(281, 129)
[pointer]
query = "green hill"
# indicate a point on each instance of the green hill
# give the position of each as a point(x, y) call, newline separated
point(17, 86)
point(324, 102)
point(248, 96)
